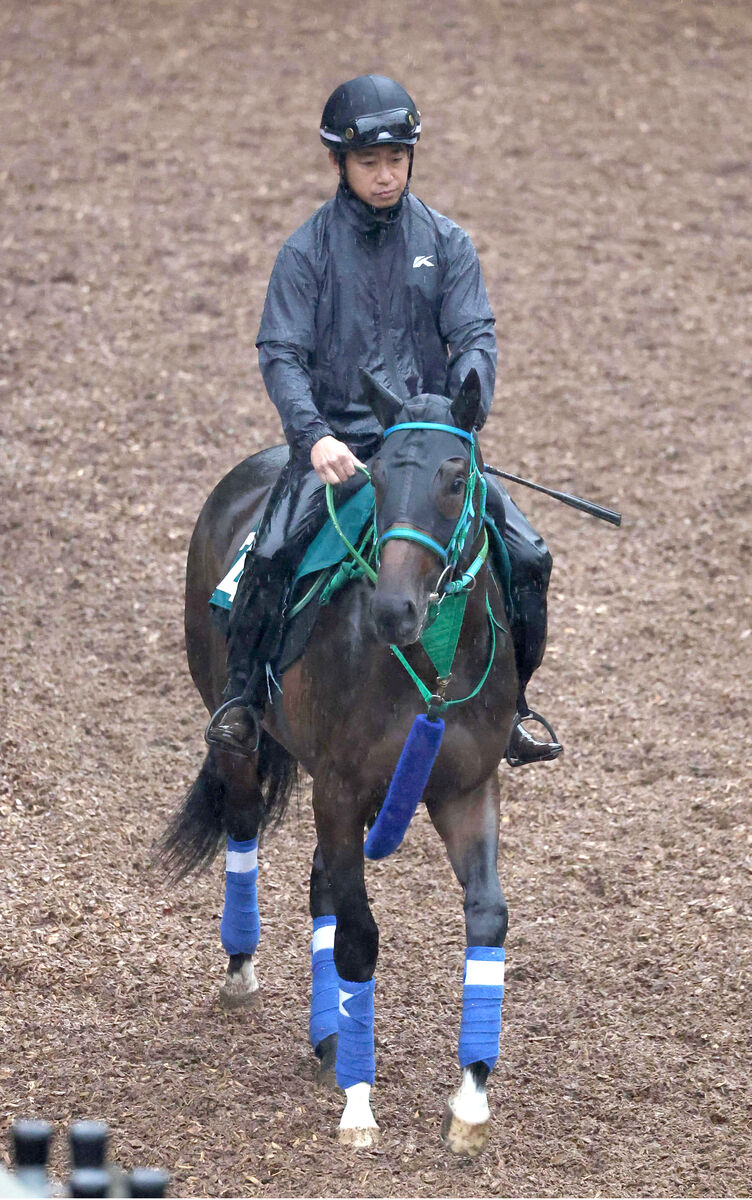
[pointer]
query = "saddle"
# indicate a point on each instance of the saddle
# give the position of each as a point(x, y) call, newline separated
point(323, 570)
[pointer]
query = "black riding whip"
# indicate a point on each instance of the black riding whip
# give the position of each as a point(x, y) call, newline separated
point(588, 506)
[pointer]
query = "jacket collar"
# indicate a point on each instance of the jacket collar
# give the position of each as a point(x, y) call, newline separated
point(364, 217)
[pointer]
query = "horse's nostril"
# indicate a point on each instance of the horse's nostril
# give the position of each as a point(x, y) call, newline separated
point(396, 617)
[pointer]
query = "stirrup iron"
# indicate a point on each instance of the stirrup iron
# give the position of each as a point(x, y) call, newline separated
point(214, 735)
point(555, 747)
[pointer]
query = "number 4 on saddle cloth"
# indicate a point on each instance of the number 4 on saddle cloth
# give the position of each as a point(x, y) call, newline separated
point(323, 570)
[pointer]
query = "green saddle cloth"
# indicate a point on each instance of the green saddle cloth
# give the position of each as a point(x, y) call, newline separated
point(327, 548)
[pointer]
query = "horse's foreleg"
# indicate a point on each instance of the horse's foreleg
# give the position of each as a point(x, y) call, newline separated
point(340, 825)
point(322, 1027)
point(469, 827)
point(240, 927)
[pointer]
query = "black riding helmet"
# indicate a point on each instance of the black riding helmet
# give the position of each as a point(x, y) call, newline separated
point(367, 111)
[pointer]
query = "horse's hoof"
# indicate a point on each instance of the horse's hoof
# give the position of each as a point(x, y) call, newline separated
point(230, 999)
point(462, 1137)
point(359, 1139)
point(240, 989)
point(358, 1127)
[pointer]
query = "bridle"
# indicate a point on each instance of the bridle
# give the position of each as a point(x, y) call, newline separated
point(448, 597)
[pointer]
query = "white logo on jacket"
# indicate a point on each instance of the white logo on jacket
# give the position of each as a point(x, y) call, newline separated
point(422, 260)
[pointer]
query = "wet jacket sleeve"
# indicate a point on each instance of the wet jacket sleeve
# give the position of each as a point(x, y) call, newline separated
point(466, 321)
point(286, 342)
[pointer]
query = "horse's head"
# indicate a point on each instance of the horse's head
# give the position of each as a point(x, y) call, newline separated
point(429, 498)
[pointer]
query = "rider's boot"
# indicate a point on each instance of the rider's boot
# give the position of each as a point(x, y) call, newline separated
point(529, 636)
point(236, 725)
point(256, 624)
point(523, 748)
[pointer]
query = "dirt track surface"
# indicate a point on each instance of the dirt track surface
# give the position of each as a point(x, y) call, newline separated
point(154, 158)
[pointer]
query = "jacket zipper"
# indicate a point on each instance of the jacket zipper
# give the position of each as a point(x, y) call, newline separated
point(390, 356)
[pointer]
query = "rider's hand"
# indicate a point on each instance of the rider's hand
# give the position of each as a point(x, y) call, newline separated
point(333, 461)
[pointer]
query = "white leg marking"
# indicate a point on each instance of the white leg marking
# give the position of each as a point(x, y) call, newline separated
point(470, 1102)
point(240, 989)
point(465, 1125)
point(358, 1126)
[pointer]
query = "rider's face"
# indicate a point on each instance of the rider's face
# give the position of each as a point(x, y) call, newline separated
point(377, 174)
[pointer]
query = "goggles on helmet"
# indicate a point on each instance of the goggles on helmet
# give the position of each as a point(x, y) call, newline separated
point(395, 125)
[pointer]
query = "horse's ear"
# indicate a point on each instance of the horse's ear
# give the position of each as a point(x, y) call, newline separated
point(466, 407)
point(386, 406)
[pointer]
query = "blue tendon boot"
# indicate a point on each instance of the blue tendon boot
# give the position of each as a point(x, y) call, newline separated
point(324, 1019)
point(241, 925)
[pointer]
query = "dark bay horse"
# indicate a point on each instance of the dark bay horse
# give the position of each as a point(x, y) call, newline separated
point(344, 712)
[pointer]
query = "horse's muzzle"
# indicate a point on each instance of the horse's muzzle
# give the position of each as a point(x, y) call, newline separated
point(396, 618)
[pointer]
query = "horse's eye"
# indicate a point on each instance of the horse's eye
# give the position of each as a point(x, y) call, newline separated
point(458, 486)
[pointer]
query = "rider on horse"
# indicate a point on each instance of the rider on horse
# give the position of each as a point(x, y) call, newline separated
point(373, 279)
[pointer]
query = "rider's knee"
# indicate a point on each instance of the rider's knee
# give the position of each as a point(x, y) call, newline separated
point(540, 568)
point(531, 568)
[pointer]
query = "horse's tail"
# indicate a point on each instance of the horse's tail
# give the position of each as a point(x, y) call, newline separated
point(196, 831)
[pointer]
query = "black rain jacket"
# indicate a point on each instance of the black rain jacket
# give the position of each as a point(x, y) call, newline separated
point(400, 294)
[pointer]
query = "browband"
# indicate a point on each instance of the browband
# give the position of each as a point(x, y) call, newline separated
point(429, 425)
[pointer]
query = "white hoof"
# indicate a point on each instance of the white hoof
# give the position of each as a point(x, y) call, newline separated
point(358, 1127)
point(241, 988)
point(466, 1123)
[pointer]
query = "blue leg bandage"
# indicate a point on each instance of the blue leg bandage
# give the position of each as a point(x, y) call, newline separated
point(325, 987)
point(240, 920)
point(482, 994)
point(356, 1062)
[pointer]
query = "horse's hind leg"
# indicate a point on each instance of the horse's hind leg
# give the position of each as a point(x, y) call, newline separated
point(469, 827)
point(322, 1026)
point(243, 809)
